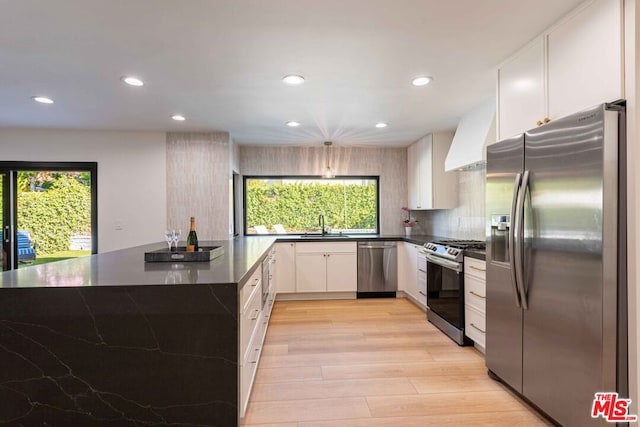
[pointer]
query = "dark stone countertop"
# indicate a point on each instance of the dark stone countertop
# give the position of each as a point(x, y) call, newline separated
point(417, 239)
point(476, 253)
point(127, 267)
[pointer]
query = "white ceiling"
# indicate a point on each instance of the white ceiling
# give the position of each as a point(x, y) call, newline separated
point(220, 63)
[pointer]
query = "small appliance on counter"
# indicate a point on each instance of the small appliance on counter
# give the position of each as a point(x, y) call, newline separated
point(445, 285)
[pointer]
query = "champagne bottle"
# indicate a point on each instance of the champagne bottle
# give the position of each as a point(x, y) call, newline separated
point(192, 238)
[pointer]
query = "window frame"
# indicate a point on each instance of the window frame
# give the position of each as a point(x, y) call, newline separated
point(376, 178)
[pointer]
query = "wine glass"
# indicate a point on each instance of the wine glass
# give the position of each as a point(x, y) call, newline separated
point(168, 236)
point(176, 237)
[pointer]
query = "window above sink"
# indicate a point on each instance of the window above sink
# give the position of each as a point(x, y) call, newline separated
point(291, 205)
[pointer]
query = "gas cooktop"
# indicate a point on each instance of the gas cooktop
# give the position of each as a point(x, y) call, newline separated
point(452, 249)
point(460, 244)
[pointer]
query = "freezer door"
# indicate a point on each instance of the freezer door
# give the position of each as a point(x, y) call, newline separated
point(504, 316)
point(570, 264)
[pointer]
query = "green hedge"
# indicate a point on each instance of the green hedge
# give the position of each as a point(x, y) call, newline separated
point(54, 215)
point(296, 205)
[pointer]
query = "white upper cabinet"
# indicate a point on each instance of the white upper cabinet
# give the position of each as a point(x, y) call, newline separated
point(521, 90)
point(576, 64)
point(430, 187)
point(585, 59)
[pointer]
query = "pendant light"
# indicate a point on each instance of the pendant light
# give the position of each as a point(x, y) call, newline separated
point(328, 172)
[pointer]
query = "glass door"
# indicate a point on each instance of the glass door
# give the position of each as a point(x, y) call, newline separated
point(48, 212)
point(5, 228)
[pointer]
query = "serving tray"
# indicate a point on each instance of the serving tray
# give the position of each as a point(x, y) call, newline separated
point(204, 253)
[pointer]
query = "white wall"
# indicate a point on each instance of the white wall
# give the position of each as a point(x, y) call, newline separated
point(131, 176)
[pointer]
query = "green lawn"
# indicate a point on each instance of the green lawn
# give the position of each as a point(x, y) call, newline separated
point(58, 256)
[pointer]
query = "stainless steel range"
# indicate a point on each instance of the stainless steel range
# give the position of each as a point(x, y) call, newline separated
point(445, 285)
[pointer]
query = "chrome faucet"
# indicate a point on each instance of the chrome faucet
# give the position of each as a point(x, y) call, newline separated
point(321, 223)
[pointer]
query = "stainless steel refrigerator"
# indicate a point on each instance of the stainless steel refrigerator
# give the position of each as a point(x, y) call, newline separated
point(556, 275)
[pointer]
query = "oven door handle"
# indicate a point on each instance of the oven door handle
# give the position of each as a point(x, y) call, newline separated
point(451, 265)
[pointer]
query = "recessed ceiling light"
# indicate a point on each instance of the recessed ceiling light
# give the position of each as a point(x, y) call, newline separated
point(421, 81)
point(178, 118)
point(132, 81)
point(381, 125)
point(42, 99)
point(293, 79)
point(293, 124)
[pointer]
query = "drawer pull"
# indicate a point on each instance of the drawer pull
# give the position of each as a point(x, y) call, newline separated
point(255, 315)
point(256, 352)
point(478, 295)
point(255, 282)
point(474, 326)
point(478, 269)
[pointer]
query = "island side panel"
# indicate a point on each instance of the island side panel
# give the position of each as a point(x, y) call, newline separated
point(129, 355)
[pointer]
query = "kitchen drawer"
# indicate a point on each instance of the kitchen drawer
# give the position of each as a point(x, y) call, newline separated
point(249, 321)
point(248, 372)
point(475, 267)
point(326, 247)
point(250, 288)
point(422, 263)
point(475, 325)
point(475, 293)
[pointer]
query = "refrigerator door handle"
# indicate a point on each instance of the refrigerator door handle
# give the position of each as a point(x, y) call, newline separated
point(519, 256)
point(511, 237)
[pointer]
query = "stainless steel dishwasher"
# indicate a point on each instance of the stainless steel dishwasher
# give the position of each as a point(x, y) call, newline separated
point(377, 269)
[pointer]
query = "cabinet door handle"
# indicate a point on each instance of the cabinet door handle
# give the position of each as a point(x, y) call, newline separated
point(546, 120)
point(256, 353)
point(255, 283)
point(477, 269)
point(478, 295)
point(474, 326)
point(255, 315)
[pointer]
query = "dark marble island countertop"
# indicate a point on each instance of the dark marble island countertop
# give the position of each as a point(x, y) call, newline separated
point(113, 340)
point(127, 267)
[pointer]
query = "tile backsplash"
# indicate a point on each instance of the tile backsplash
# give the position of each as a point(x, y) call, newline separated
point(467, 220)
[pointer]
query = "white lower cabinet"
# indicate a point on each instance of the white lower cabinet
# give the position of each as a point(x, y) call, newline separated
point(311, 272)
point(326, 267)
point(342, 272)
point(410, 278)
point(285, 267)
point(250, 336)
point(475, 301)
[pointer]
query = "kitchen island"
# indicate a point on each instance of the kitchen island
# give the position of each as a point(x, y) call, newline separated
point(112, 340)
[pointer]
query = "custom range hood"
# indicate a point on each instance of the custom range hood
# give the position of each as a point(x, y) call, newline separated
point(476, 130)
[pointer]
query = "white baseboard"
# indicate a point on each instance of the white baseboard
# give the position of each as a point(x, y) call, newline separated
point(302, 296)
point(403, 294)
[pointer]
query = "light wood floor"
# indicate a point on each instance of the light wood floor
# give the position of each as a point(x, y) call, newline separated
point(372, 362)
